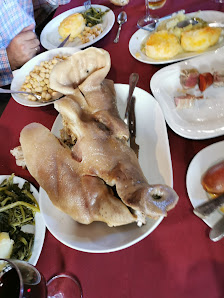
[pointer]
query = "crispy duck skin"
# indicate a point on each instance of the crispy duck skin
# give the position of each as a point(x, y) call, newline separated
point(85, 198)
point(105, 156)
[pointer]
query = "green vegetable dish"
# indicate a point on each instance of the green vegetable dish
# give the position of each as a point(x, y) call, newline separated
point(93, 16)
point(17, 209)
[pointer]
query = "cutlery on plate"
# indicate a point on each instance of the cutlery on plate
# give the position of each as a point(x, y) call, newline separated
point(133, 80)
point(194, 21)
point(64, 41)
point(121, 19)
point(87, 4)
point(129, 117)
point(217, 232)
point(154, 25)
point(132, 126)
point(209, 207)
point(38, 97)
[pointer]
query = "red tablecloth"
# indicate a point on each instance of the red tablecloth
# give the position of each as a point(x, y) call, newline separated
point(177, 259)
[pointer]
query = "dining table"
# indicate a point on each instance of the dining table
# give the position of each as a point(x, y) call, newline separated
point(177, 259)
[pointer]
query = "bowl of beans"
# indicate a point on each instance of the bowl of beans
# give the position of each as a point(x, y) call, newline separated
point(34, 77)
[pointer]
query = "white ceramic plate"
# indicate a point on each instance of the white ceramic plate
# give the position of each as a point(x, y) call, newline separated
point(39, 228)
point(206, 118)
point(20, 75)
point(141, 35)
point(50, 38)
point(154, 158)
point(206, 158)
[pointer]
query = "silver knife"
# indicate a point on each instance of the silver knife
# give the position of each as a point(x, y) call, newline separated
point(217, 232)
point(153, 26)
point(64, 41)
point(170, 15)
point(129, 116)
point(133, 80)
point(132, 126)
point(207, 208)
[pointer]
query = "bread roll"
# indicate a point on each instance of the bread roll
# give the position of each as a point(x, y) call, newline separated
point(162, 45)
point(200, 39)
point(119, 2)
point(73, 24)
point(213, 179)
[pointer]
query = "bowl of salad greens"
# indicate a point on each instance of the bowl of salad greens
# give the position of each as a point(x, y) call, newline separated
point(22, 229)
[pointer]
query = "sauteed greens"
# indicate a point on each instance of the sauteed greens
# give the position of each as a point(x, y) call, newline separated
point(93, 16)
point(17, 208)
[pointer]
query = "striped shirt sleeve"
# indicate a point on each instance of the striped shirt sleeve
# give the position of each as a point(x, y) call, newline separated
point(5, 69)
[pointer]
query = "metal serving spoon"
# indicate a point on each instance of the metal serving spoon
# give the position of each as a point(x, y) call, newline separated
point(121, 19)
point(194, 21)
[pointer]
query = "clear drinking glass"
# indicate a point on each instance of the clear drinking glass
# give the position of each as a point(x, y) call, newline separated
point(148, 21)
point(19, 279)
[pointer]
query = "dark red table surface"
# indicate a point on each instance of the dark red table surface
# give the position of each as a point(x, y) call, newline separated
point(177, 259)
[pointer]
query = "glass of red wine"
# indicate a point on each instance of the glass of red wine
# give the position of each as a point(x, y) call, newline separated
point(19, 279)
point(149, 21)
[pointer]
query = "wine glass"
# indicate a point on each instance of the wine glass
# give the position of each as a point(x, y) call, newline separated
point(148, 22)
point(19, 279)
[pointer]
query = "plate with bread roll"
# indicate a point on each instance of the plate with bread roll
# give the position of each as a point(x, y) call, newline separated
point(83, 26)
point(204, 180)
point(169, 43)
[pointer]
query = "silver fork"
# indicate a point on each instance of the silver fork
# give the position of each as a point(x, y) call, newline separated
point(87, 4)
point(38, 97)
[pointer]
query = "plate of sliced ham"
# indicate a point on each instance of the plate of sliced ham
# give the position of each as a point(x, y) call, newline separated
point(191, 95)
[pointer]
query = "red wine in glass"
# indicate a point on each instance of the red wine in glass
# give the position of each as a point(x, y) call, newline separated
point(19, 279)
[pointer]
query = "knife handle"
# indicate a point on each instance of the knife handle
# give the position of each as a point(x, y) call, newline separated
point(133, 80)
point(207, 208)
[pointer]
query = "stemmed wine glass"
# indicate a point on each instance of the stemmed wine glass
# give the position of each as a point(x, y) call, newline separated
point(19, 279)
point(148, 21)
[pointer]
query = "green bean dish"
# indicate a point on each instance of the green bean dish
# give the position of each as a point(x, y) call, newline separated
point(18, 207)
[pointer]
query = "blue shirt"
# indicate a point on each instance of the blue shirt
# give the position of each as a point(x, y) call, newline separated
point(15, 15)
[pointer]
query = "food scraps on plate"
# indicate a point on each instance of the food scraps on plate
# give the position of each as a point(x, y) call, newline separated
point(190, 78)
point(86, 25)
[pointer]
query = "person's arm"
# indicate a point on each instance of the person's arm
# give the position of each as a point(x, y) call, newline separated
point(23, 47)
point(5, 69)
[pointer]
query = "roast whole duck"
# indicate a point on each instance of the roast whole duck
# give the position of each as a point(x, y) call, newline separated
point(91, 173)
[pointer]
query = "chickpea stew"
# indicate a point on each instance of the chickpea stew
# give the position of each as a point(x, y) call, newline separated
point(37, 81)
